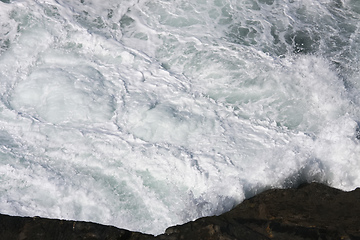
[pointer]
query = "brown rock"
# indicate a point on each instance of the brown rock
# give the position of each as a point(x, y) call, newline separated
point(312, 211)
point(36, 228)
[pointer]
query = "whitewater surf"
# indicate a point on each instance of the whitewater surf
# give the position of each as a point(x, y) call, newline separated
point(147, 114)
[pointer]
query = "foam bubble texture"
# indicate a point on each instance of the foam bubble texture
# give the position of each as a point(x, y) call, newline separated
point(147, 114)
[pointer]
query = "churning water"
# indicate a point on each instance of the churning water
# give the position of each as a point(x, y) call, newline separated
point(148, 113)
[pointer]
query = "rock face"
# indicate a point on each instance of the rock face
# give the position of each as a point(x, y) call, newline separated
point(312, 211)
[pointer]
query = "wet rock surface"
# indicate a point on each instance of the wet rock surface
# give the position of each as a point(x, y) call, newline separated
point(312, 211)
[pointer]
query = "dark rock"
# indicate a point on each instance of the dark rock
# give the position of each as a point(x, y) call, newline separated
point(312, 211)
point(36, 228)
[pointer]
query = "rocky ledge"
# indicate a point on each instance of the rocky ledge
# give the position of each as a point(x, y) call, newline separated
point(312, 211)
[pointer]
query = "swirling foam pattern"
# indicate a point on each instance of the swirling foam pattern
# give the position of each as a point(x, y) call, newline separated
point(144, 114)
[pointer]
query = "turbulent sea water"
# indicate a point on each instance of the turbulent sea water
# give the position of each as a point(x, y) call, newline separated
point(144, 114)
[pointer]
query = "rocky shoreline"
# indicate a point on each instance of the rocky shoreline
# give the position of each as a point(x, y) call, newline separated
point(311, 211)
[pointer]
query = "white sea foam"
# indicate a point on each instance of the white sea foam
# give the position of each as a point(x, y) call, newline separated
point(147, 114)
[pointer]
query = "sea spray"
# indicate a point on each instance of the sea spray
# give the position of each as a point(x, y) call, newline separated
point(147, 114)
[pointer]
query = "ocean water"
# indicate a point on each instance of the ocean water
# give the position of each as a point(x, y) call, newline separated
point(144, 114)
